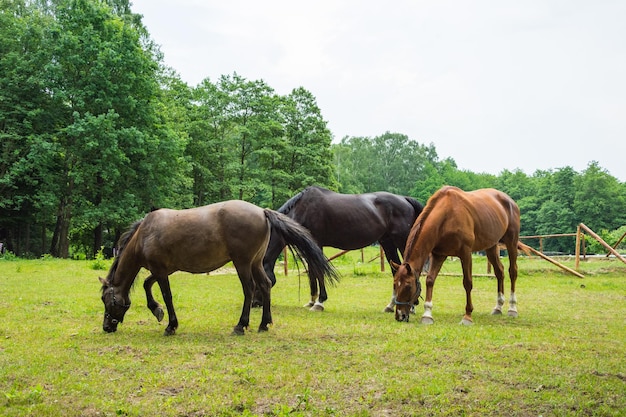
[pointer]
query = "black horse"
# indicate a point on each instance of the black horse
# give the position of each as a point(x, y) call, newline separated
point(348, 222)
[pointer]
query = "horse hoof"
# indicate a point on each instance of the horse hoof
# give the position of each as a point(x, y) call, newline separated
point(263, 329)
point(388, 309)
point(169, 332)
point(496, 312)
point(309, 304)
point(238, 331)
point(512, 313)
point(467, 322)
point(317, 307)
point(427, 320)
point(158, 313)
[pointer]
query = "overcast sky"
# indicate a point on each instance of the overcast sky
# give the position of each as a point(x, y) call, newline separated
point(497, 84)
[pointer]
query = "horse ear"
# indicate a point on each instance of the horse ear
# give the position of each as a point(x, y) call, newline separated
point(103, 281)
point(408, 268)
point(394, 265)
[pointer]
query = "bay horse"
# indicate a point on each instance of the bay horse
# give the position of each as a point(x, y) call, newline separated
point(348, 222)
point(200, 240)
point(457, 223)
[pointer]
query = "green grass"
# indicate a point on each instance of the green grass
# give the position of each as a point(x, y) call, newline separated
point(564, 355)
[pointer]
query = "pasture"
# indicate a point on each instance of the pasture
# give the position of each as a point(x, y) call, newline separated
point(563, 356)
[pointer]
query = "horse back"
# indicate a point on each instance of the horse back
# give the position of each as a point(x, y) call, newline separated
point(204, 238)
point(350, 221)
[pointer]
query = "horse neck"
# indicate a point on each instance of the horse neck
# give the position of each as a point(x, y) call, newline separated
point(125, 271)
point(422, 240)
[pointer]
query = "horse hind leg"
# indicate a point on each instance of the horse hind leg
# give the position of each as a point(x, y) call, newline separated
point(512, 249)
point(244, 271)
point(498, 269)
point(314, 304)
point(153, 305)
point(319, 304)
point(263, 285)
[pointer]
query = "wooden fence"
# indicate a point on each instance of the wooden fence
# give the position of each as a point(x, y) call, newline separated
point(580, 243)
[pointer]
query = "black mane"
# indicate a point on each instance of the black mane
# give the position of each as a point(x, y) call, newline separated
point(121, 244)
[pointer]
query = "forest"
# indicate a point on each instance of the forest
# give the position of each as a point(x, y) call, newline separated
point(95, 131)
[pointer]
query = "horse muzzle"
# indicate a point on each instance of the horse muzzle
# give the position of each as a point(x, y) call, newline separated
point(402, 316)
point(110, 324)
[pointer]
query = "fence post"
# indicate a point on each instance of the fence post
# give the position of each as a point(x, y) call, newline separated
point(602, 242)
point(577, 247)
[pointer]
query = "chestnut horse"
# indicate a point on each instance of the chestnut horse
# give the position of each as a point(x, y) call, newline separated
point(457, 223)
point(348, 222)
point(201, 240)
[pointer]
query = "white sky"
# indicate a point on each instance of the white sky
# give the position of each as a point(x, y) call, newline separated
point(493, 84)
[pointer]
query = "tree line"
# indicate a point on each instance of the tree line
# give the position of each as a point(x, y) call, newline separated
point(95, 131)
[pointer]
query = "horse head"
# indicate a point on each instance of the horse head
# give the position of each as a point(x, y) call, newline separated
point(115, 306)
point(407, 288)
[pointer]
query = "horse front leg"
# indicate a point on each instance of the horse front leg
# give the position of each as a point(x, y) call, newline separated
point(153, 305)
point(164, 284)
point(466, 263)
point(391, 253)
point(437, 262)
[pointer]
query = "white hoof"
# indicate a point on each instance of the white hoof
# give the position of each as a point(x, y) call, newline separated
point(496, 312)
point(512, 313)
point(309, 304)
point(466, 322)
point(428, 320)
point(317, 307)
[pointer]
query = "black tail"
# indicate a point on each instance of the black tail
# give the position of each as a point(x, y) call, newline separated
point(299, 239)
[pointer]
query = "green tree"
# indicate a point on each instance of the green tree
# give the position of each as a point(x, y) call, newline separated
point(28, 114)
point(303, 154)
point(599, 199)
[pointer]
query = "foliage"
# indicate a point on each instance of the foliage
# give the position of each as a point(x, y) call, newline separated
point(95, 131)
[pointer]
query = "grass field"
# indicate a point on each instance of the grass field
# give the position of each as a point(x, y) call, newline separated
point(564, 355)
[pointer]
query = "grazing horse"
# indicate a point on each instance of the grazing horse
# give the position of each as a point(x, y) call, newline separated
point(457, 223)
point(201, 240)
point(348, 222)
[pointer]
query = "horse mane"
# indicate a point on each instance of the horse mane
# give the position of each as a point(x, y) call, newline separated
point(121, 244)
point(430, 204)
point(290, 204)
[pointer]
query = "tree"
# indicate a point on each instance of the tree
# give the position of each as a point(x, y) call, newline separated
point(303, 155)
point(84, 146)
point(28, 114)
point(599, 199)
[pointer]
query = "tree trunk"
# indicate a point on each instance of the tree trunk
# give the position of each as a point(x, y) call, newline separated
point(97, 239)
point(60, 245)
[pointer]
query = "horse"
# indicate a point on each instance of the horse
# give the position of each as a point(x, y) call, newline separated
point(348, 222)
point(200, 240)
point(457, 223)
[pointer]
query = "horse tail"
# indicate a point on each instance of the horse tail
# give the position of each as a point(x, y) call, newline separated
point(417, 206)
point(300, 240)
point(121, 244)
